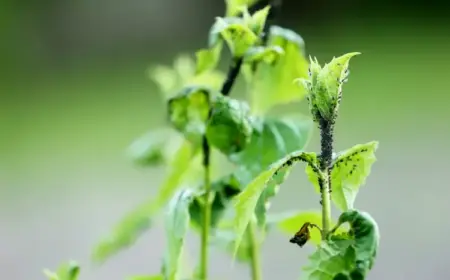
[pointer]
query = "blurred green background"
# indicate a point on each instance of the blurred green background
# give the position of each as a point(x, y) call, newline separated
point(75, 93)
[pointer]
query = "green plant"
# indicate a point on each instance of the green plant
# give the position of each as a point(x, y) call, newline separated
point(337, 177)
point(225, 158)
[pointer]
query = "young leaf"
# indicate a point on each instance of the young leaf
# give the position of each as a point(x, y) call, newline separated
point(324, 86)
point(66, 271)
point(245, 203)
point(258, 20)
point(272, 84)
point(349, 172)
point(234, 31)
point(272, 140)
point(185, 73)
point(267, 55)
point(234, 7)
point(207, 59)
point(139, 220)
point(176, 224)
point(146, 277)
point(188, 112)
point(229, 127)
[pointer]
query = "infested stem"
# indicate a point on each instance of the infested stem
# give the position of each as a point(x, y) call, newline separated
point(206, 211)
point(325, 160)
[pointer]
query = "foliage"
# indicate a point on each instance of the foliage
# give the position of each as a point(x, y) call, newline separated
point(66, 271)
point(340, 255)
point(230, 207)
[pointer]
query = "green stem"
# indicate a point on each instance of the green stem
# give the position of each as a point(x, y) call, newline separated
point(206, 212)
point(326, 207)
point(254, 251)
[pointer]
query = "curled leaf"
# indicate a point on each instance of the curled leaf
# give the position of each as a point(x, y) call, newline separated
point(224, 190)
point(302, 235)
point(188, 112)
point(366, 234)
point(347, 255)
point(229, 127)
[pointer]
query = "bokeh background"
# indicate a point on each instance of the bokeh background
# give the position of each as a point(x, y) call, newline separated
point(75, 93)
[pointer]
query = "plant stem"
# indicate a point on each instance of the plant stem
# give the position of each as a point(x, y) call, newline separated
point(206, 211)
point(233, 72)
point(326, 157)
point(254, 251)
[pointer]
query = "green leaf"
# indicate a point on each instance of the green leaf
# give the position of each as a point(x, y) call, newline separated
point(272, 139)
point(184, 73)
point(324, 86)
point(245, 203)
point(291, 222)
point(207, 59)
point(234, 31)
point(366, 234)
point(229, 127)
point(258, 20)
point(332, 257)
point(224, 190)
point(268, 54)
point(234, 7)
point(272, 84)
point(347, 255)
point(176, 223)
point(350, 169)
point(138, 221)
point(225, 239)
point(165, 78)
point(146, 277)
point(151, 149)
point(188, 112)
point(66, 271)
